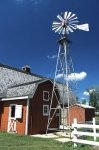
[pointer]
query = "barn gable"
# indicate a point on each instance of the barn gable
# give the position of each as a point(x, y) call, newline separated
point(25, 89)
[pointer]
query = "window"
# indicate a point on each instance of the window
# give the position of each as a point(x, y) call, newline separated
point(45, 95)
point(15, 111)
point(12, 111)
point(45, 110)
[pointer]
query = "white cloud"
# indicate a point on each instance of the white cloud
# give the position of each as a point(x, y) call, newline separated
point(77, 76)
point(74, 76)
point(59, 76)
point(52, 57)
point(86, 93)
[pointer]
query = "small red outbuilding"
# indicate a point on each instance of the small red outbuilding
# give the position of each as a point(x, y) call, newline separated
point(81, 112)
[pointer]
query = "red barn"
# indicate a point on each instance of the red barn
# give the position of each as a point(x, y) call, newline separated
point(82, 112)
point(25, 101)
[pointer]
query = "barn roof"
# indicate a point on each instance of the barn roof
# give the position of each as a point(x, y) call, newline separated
point(83, 106)
point(10, 76)
point(26, 89)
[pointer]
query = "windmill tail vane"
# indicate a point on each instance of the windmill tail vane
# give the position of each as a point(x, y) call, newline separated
point(84, 27)
point(68, 23)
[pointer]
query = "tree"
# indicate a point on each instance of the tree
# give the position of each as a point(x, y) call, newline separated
point(93, 97)
point(84, 101)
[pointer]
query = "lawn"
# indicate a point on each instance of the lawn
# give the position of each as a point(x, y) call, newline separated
point(17, 142)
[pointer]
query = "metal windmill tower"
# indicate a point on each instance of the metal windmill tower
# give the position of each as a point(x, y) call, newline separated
point(65, 25)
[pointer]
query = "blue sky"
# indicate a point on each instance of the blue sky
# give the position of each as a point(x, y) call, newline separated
point(26, 37)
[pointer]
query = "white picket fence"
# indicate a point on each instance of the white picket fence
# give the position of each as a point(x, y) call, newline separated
point(86, 130)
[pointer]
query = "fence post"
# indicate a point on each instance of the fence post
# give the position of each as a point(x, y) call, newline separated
point(75, 131)
point(94, 129)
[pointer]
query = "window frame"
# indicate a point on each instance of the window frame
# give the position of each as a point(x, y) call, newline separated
point(47, 113)
point(44, 97)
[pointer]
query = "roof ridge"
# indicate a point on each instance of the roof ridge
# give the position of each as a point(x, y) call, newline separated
point(19, 70)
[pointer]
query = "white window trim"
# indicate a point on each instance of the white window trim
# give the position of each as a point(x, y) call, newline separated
point(48, 96)
point(46, 114)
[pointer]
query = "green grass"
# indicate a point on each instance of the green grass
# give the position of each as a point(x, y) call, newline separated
point(17, 142)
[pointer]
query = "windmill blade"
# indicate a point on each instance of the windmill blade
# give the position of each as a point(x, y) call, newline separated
point(60, 31)
point(55, 28)
point(65, 15)
point(69, 15)
point(67, 31)
point(73, 21)
point(84, 27)
point(64, 31)
point(56, 23)
point(72, 24)
point(60, 18)
point(58, 28)
point(73, 27)
point(70, 29)
point(72, 16)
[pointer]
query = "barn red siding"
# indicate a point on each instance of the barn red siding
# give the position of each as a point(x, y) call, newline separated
point(38, 122)
point(20, 127)
point(76, 112)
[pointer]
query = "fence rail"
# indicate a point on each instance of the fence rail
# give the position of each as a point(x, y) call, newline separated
point(77, 134)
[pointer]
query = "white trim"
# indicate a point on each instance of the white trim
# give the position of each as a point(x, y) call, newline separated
point(46, 114)
point(9, 119)
point(43, 95)
point(14, 98)
point(27, 117)
point(18, 111)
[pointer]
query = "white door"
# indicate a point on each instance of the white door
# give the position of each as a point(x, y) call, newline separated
point(12, 119)
point(15, 112)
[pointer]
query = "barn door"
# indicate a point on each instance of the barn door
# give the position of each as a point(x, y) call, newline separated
point(12, 119)
point(15, 112)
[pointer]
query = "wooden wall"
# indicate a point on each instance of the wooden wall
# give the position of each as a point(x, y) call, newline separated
point(20, 127)
point(38, 122)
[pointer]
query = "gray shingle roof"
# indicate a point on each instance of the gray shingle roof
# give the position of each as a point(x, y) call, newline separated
point(11, 76)
point(27, 89)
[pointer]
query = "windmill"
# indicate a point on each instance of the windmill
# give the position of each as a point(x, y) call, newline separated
point(63, 26)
